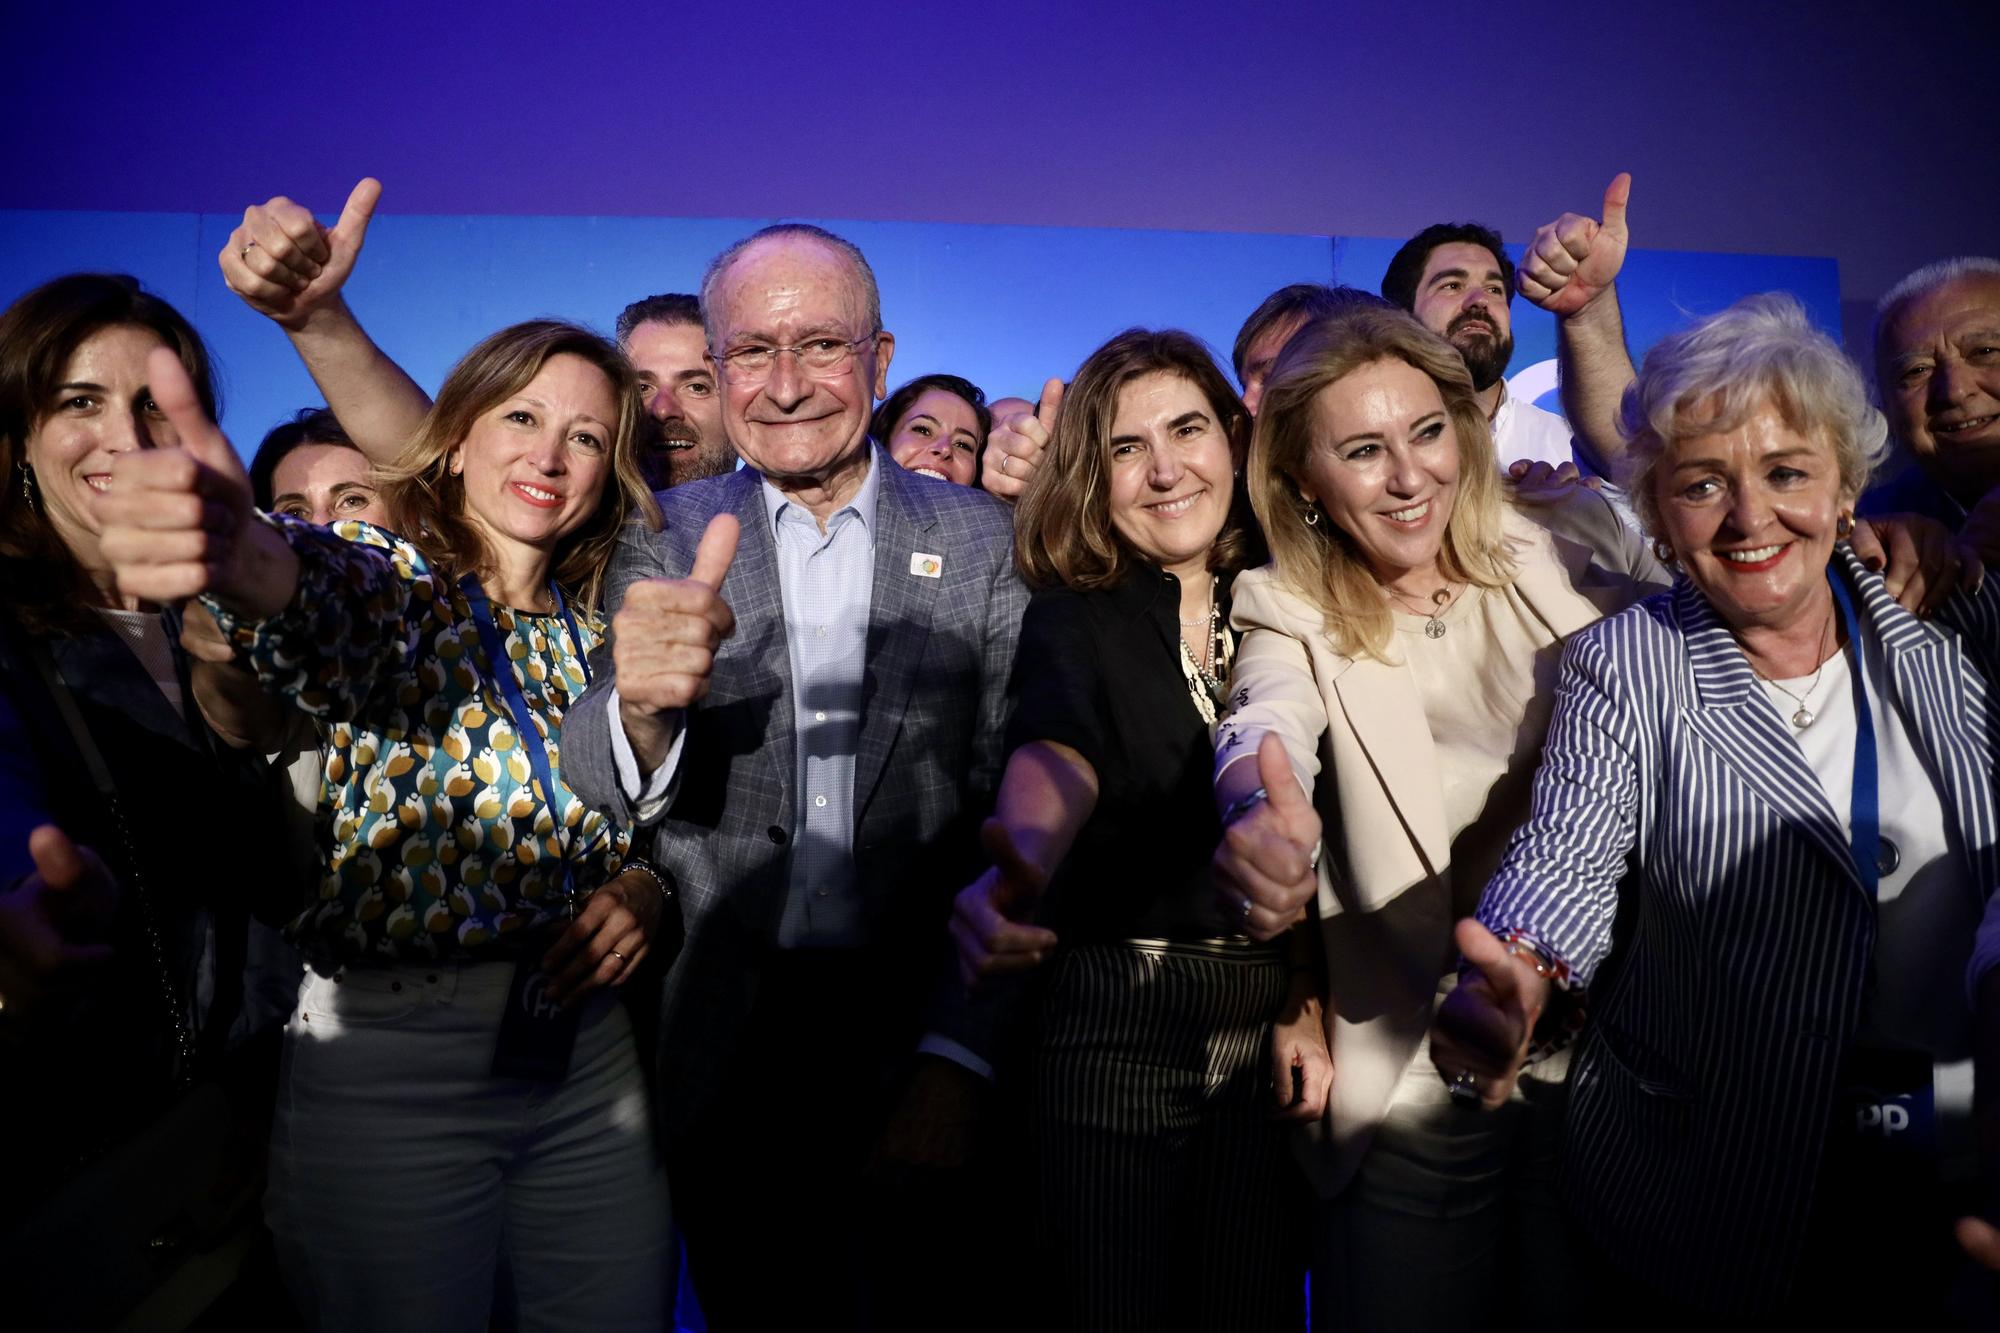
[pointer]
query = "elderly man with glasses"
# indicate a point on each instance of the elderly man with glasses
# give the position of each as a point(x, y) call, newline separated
point(804, 699)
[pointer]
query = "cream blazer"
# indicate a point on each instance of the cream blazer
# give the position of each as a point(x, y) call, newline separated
point(1385, 893)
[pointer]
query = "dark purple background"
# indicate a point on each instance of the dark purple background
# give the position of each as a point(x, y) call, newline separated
point(1862, 132)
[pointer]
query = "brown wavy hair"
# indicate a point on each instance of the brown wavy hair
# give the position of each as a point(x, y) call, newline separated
point(47, 589)
point(426, 500)
point(1319, 561)
point(1063, 535)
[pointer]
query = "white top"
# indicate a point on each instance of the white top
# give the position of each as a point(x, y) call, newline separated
point(1522, 430)
point(1927, 914)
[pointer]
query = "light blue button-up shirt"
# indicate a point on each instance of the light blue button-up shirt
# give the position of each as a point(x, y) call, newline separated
point(828, 581)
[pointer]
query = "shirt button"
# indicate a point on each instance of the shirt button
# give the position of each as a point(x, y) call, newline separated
point(819, 801)
point(821, 631)
point(819, 717)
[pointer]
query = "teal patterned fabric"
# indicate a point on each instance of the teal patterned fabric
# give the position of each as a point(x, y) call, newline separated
point(439, 841)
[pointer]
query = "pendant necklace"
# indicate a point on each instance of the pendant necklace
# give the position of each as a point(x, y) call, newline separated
point(1434, 627)
point(1803, 716)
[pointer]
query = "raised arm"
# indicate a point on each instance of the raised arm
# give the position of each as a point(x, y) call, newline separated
point(1570, 269)
point(289, 267)
point(318, 618)
point(1266, 756)
point(1014, 446)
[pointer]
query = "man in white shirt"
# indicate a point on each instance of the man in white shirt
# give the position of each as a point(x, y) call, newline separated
point(1455, 277)
point(804, 700)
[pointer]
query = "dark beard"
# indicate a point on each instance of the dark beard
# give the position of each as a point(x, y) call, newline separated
point(665, 468)
point(700, 462)
point(1485, 355)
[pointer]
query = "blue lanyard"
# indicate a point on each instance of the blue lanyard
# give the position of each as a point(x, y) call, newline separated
point(1865, 819)
point(517, 703)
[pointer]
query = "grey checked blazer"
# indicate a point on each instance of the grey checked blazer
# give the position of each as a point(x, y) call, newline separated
point(929, 761)
point(1703, 1086)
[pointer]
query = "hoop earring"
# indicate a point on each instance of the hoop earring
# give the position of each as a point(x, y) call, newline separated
point(1312, 516)
point(1843, 527)
point(1663, 552)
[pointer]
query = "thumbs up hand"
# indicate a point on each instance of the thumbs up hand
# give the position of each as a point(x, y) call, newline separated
point(987, 917)
point(53, 920)
point(1263, 870)
point(286, 265)
point(1573, 260)
point(1015, 446)
point(177, 521)
point(665, 638)
point(1481, 1032)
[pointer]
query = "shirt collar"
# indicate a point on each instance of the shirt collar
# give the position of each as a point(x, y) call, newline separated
point(862, 506)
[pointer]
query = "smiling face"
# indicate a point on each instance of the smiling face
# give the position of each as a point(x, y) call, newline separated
point(678, 392)
point(1463, 297)
point(1751, 514)
point(939, 436)
point(1939, 370)
point(798, 426)
point(1170, 470)
point(535, 464)
point(100, 408)
point(325, 483)
point(1384, 466)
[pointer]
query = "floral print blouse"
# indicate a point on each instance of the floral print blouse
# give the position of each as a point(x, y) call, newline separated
point(439, 842)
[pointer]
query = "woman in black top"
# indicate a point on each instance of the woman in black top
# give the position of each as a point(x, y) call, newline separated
point(138, 1010)
point(1164, 1184)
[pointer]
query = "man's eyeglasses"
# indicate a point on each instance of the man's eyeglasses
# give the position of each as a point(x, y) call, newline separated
point(751, 363)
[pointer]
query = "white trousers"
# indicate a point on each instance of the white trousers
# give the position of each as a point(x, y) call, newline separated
point(403, 1172)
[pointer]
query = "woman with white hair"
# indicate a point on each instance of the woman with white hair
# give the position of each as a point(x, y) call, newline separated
point(1764, 832)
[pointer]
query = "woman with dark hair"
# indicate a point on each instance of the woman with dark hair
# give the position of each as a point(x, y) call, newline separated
point(460, 1088)
point(936, 425)
point(1166, 1193)
point(127, 1007)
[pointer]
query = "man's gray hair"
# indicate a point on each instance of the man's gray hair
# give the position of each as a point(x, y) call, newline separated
point(1713, 376)
point(1922, 283)
point(847, 249)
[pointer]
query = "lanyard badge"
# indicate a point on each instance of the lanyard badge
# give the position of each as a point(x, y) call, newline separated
point(536, 1035)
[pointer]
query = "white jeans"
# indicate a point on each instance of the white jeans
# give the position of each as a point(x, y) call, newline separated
point(402, 1170)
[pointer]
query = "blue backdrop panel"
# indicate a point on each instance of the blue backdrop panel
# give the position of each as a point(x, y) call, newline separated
point(1005, 306)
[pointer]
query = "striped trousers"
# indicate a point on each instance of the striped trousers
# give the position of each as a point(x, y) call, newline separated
point(1169, 1198)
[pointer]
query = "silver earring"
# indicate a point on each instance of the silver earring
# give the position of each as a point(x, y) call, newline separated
point(1663, 552)
point(28, 487)
point(1312, 516)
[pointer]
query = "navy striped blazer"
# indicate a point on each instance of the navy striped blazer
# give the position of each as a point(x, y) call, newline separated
point(1702, 1087)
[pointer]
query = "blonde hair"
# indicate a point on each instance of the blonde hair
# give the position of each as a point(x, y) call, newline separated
point(426, 500)
point(1710, 378)
point(1319, 561)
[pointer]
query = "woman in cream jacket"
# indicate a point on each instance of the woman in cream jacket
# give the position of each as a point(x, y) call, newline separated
point(1403, 643)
